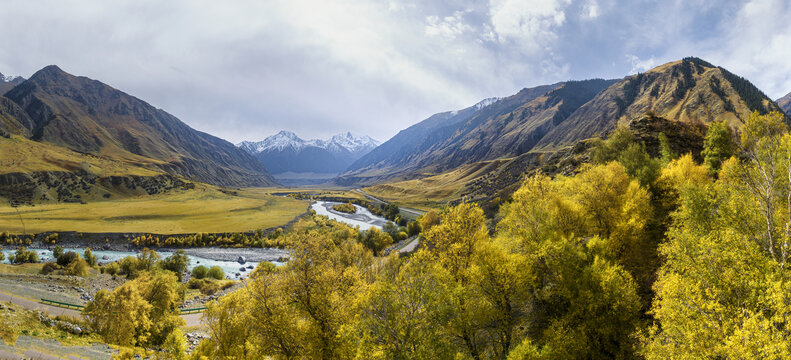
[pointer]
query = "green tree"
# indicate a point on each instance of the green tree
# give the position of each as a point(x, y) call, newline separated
point(718, 145)
point(666, 152)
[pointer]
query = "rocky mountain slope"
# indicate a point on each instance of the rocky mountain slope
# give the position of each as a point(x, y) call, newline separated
point(89, 117)
point(688, 90)
point(556, 117)
point(287, 152)
point(785, 103)
point(392, 158)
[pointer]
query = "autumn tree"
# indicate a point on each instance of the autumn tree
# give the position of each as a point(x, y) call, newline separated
point(718, 145)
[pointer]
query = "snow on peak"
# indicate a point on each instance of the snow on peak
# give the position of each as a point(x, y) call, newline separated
point(486, 102)
point(346, 142)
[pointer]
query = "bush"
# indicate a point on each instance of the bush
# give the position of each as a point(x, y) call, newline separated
point(208, 286)
point(67, 258)
point(401, 235)
point(215, 272)
point(128, 266)
point(348, 208)
point(23, 256)
point(2, 256)
point(199, 272)
point(78, 267)
point(176, 263)
point(49, 268)
point(112, 268)
point(57, 252)
point(413, 228)
point(89, 257)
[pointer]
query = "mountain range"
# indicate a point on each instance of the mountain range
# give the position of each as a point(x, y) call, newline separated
point(285, 152)
point(548, 118)
point(87, 117)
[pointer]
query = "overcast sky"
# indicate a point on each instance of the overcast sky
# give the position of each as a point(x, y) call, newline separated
point(243, 70)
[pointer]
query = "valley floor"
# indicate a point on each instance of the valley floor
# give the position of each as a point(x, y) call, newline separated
point(200, 210)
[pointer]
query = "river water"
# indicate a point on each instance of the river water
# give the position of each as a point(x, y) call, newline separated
point(363, 218)
point(231, 268)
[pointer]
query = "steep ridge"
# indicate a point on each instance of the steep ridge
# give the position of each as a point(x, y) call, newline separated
point(394, 158)
point(287, 152)
point(13, 119)
point(785, 103)
point(90, 117)
point(688, 90)
point(506, 128)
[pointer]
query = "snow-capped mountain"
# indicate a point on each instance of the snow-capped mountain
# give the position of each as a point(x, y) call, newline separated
point(283, 140)
point(285, 152)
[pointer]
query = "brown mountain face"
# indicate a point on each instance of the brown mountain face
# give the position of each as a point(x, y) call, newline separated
point(13, 119)
point(689, 90)
point(785, 103)
point(88, 116)
point(506, 128)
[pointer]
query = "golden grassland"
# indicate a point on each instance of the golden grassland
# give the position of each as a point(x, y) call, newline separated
point(203, 209)
point(433, 192)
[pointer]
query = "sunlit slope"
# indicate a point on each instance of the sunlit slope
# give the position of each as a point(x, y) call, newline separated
point(203, 209)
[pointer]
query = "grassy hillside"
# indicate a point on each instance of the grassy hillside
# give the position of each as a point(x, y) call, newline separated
point(433, 192)
point(203, 209)
point(23, 155)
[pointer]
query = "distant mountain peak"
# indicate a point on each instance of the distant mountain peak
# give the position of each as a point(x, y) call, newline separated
point(49, 71)
point(286, 152)
point(285, 139)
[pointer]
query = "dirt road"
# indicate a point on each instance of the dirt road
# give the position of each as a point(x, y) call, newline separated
point(191, 319)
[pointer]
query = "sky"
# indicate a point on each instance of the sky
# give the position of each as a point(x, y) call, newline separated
point(245, 69)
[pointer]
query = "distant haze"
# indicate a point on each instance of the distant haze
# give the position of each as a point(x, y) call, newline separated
point(244, 70)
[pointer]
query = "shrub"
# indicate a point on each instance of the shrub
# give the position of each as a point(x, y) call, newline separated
point(209, 286)
point(176, 263)
point(89, 257)
point(215, 272)
point(348, 208)
point(49, 268)
point(57, 252)
point(112, 268)
point(78, 267)
point(67, 258)
point(128, 266)
point(2, 256)
point(24, 256)
point(413, 228)
point(199, 272)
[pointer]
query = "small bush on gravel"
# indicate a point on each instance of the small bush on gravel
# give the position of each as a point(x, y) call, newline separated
point(215, 272)
point(199, 272)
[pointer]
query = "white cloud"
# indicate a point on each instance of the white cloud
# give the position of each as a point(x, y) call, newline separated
point(757, 45)
point(639, 65)
point(530, 23)
point(590, 10)
point(448, 27)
